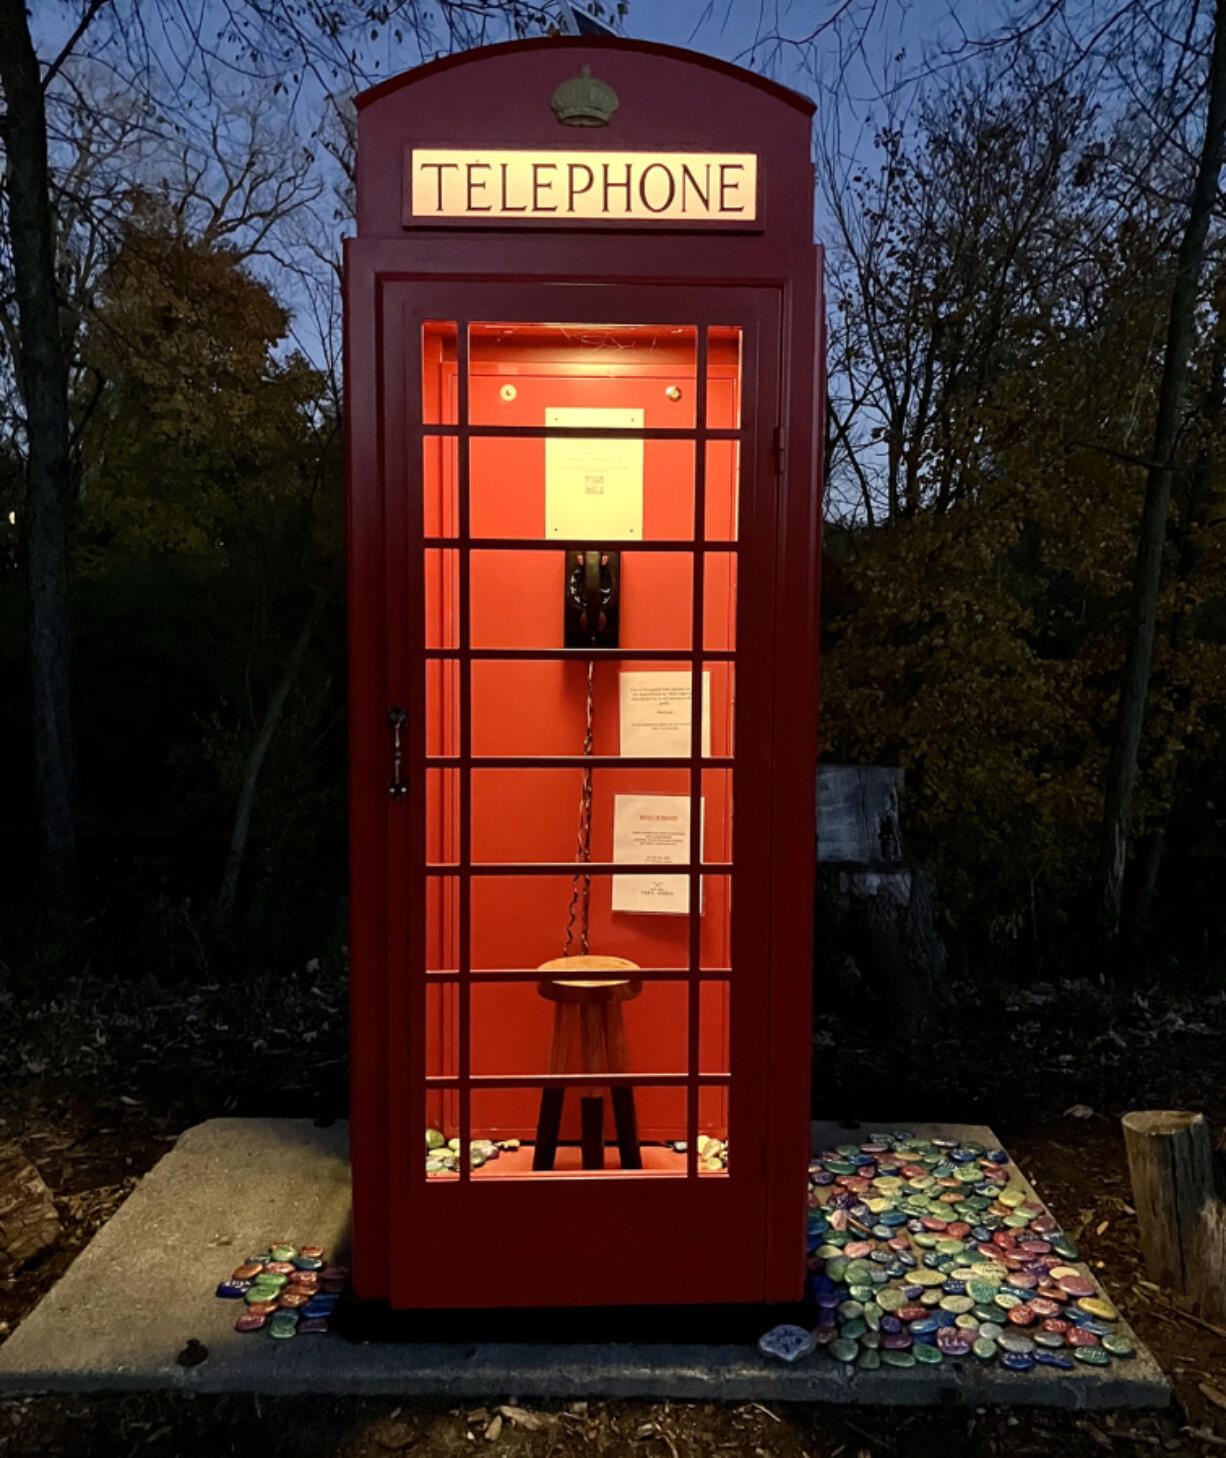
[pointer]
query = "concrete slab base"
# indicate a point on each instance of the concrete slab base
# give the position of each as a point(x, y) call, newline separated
point(144, 1287)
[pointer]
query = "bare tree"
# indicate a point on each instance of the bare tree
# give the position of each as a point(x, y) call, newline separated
point(1147, 576)
point(945, 258)
point(43, 374)
point(301, 50)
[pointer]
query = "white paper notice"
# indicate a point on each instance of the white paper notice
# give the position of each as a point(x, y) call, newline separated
point(656, 719)
point(593, 488)
point(648, 829)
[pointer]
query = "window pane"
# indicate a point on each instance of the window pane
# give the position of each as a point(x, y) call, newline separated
point(586, 1022)
point(539, 707)
point(723, 490)
point(513, 1118)
point(519, 599)
point(532, 815)
point(723, 377)
point(713, 1027)
point(442, 597)
point(719, 601)
point(521, 922)
point(440, 486)
point(442, 817)
point(713, 1132)
point(517, 371)
point(442, 706)
point(442, 923)
point(438, 372)
point(532, 489)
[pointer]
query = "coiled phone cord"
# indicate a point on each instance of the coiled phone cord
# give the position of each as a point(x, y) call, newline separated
point(583, 850)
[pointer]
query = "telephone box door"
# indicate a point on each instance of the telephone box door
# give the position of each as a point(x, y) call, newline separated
point(579, 493)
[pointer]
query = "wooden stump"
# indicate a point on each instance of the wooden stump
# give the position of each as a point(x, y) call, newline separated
point(28, 1222)
point(1177, 1192)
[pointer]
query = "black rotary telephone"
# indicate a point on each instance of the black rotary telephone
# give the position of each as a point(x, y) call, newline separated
point(592, 599)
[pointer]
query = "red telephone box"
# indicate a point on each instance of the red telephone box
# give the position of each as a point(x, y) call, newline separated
point(584, 400)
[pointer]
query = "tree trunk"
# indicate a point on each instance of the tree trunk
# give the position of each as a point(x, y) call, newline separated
point(43, 374)
point(1176, 1191)
point(1181, 327)
point(255, 760)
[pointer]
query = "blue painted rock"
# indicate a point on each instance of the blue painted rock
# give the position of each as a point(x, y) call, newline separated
point(788, 1343)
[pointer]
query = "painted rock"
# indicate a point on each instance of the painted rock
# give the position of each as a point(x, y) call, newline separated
point(312, 1325)
point(283, 1252)
point(1098, 1306)
point(788, 1343)
point(233, 1290)
point(1076, 1285)
point(314, 1252)
point(1017, 1361)
point(308, 1263)
point(247, 1272)
point(291, 1298)
point(1093, 1356)
point(898, 1359)
point(1055, 1359)
point(251, 1321)
point(929, 1356)
point(279, 1268)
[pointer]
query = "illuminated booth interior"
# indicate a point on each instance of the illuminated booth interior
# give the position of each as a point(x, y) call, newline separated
point(580, 908)
point(543, 710)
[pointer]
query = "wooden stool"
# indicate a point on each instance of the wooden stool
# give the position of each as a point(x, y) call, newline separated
point(592, 1007)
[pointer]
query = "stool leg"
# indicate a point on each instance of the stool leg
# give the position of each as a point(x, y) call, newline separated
point(549, 1124)
point(547, 1127)
point(627, 1128)
point(593, 1132)
point(624, 1117)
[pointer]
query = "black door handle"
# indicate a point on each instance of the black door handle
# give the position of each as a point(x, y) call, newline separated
point(397, 718)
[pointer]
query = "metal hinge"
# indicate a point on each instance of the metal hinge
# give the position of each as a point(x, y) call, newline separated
point(781, 451)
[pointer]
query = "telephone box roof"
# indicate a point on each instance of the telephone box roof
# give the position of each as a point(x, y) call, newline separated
point(588, 44)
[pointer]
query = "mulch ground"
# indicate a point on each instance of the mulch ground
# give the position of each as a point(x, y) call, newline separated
point(98, 1080)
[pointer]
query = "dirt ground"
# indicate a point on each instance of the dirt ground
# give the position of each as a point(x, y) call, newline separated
point(98, 1081)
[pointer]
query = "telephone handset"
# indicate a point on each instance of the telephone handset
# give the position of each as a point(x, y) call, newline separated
point(592, 599)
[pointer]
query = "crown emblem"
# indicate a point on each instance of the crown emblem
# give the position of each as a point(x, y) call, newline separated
point(583, 101)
